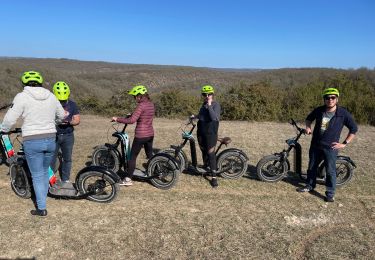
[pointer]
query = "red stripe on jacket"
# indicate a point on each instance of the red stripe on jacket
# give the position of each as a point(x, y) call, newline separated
point(143, 115)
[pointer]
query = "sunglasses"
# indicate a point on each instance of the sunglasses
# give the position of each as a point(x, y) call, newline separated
point(206, 95)
point(330, 97)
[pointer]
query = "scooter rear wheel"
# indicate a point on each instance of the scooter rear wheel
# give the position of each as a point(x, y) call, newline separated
point(234, 161)
point(99, 187)
point(271, 168)
point(19, 181)
point(344, 172)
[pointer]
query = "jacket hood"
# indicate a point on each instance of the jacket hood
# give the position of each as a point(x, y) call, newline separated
point(38, 93)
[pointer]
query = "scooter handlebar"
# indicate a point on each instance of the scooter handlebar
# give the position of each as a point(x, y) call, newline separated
point(15, 131)
point(293, 123)
point(191, 120)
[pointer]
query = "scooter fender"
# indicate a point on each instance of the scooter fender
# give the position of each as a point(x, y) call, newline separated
point(347, 158)
point(110, 146)
point(100, 169)
point(234, 150)
point(286, 159)
point(171, 158)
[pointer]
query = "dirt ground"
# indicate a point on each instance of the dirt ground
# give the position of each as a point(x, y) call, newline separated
point(241, 219)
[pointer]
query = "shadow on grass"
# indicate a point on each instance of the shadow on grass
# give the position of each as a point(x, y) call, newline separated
point(292, 179)
point(251, 172)
point(297, 182)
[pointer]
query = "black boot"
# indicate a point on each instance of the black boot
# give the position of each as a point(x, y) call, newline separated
point(214, 183)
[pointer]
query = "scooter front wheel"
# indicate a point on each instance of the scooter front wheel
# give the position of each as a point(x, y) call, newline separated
point(19, 181)
point(106, 157)
point(181, 158)
point(98, 186)
point(271, 168)
point(164, 171)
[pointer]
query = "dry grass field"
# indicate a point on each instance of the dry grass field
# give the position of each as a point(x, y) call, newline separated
point(242, 219)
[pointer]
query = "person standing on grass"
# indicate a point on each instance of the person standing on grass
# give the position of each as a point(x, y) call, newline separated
point(144, 131)
point(65, 134)
point(329, 122)
point(207, 130)
point(39, 109)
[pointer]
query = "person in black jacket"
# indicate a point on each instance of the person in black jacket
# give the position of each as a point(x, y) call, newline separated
point(329, 122)
point(207, 130)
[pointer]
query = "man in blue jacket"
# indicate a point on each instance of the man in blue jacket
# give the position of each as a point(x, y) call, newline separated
point(329, 122)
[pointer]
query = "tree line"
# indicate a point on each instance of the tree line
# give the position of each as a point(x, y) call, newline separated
point(253, 102)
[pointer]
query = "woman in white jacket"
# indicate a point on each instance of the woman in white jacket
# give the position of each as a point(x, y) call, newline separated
point(39, 110)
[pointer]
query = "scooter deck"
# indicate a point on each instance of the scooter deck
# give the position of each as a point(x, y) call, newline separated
point(65, 190)
point(198, 170)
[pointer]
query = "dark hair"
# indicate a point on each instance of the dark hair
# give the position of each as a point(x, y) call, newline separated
point(144, 96)
point(33, 84)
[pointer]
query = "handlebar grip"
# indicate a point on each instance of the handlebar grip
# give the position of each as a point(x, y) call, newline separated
point(191, 120)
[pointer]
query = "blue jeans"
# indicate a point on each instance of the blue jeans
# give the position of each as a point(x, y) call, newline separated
point(329, 156)
point(64, 142)
point(39, 154)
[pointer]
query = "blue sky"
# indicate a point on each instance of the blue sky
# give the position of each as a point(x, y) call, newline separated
point(223, 34)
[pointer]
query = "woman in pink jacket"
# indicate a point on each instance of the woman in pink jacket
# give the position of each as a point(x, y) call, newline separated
point(144, 131)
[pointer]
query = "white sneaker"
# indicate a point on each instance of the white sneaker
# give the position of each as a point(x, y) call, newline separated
point(126, 182)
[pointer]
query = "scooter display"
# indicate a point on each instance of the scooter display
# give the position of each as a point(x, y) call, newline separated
point(93, 182)
point(162, 169)
point(231, 162)
point(275, 167)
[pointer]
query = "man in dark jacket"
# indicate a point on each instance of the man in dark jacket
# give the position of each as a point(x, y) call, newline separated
point(329, 122)
point(65, 133)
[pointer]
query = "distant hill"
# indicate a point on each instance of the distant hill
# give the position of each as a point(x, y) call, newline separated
point(246, 94)
point(106, 79)
point(103, 79)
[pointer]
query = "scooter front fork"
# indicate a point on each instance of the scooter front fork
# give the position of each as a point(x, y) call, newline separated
point(193, 152)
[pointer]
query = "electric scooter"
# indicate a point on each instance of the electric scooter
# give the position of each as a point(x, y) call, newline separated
point(93, 182)
point(162, 169)
point(231, 162)
point(273, 168)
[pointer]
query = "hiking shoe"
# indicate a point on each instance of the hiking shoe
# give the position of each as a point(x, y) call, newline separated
point(126, 182)
point(306, 188)
point(214, 183)
point(329, 199)
point(39, 212)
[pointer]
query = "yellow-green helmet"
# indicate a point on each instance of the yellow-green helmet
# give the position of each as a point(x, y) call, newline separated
point(138, 90)
point(207, 89)
point(330, 91)
point(31, 76)
point(61, 90)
